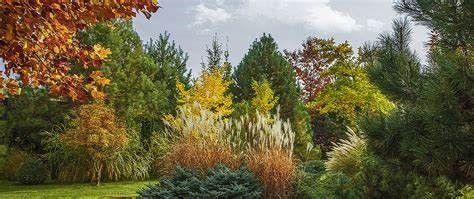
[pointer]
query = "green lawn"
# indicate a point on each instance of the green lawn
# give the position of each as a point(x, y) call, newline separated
point(106, 190)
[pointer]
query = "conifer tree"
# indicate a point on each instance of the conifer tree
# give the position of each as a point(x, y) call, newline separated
point(217, 58)
point(265, 62)
point(171, 62)
point(431, 134)
point(137, 92)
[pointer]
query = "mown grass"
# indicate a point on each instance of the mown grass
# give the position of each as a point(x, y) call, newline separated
point(105, 190)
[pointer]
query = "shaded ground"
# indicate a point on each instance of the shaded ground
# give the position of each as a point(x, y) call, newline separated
point(106, 190)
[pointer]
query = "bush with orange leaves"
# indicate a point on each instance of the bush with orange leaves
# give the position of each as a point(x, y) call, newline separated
point(98, 134)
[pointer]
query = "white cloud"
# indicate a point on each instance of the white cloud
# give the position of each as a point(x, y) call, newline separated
point(317, 14)
point(375, 25)
point(204, 15)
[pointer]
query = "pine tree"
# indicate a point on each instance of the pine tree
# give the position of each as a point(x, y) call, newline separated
point(171, 61)
point(397, 70)
point(137, 92)
point(431, 134)
point(450, 20)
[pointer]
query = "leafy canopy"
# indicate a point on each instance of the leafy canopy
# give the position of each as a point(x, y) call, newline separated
point(37, 43)
point(210, 92)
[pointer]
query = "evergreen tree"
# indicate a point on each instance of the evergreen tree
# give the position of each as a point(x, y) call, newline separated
point(28, 115)
point(217, 58)
point(397, 71)
point(450, 20)
point(171, 61)
point(431, 134)
point(136, 91)
point(265, 62)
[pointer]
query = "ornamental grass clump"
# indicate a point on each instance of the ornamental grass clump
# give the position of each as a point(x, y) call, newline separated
point(264, 142)
point(347, 155)
point(191, 153)
point(276, 170)
point(269, 153)
point(198, 141)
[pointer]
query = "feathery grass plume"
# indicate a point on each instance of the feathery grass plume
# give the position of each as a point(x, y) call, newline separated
point(260, 133)
point(198, 141)
point(346, 156)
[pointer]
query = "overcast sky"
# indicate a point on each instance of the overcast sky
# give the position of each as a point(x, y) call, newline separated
point(192, 23)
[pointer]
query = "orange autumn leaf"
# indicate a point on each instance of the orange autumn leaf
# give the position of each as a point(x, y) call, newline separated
point(38, 47)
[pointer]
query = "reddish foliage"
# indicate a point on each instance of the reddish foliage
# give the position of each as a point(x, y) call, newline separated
point(316, 56)
point(37, 43)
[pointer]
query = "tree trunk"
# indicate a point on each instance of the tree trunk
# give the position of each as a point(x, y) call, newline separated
point(99, 174)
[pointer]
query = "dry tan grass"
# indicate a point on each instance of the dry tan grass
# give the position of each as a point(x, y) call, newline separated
point(275, 169)
point(200, 156)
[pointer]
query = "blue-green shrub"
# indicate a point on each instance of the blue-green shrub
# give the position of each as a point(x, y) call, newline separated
point(221, 182)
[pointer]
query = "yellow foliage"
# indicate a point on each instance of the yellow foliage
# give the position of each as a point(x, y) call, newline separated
point(210, 92)
point(98, 134)
point(264, 100)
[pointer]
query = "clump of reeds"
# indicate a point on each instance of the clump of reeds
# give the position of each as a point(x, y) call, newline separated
point(190, 153)
point(276, 171)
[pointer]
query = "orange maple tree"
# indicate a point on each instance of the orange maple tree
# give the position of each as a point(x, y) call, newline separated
point(38, 47)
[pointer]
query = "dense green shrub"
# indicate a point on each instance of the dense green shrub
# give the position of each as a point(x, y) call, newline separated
point(313, 167)
point(221, 182)
point(70, 165)
point(32, 172)
point(13, 161)
point(326, 185)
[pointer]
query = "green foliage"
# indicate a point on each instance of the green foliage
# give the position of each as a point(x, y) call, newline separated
point(304, 148)
point(350, 95)
point(265, 62)
point(171, 61)
point(264, 100)
point(217, 58)
point(30, 113)
point(326, 185)
point(142, 87)
point(451, 21)
point(32, 172)
point(13, 161)
point(391, 182)
point(221, 182)
point(430, 132)
point(397, 70)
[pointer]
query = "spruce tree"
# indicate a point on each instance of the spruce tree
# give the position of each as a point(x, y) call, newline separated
point(217, 58)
